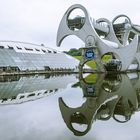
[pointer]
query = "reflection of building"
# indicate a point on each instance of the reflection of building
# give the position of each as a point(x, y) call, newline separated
point(18, 56)
point(115, 96)
point(33, 87)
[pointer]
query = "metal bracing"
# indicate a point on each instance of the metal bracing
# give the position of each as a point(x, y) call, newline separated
point(119, 36)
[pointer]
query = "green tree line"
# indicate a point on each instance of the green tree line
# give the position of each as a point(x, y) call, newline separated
point(73, 52)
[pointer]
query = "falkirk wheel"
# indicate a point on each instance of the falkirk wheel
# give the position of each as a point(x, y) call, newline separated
point(118, 40)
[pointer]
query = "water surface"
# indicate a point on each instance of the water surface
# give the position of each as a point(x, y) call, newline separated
point(70, 107)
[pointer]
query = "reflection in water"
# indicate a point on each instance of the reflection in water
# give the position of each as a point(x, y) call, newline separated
point(17, 89)
point(107, 96)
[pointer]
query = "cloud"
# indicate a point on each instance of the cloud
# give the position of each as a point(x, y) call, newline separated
point(37, 21)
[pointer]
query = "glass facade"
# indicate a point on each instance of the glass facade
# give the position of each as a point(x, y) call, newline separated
point(25, 87)
point(35, 60)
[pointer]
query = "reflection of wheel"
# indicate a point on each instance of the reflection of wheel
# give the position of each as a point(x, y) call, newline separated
point(90, 90)
point(79, 124)
point(108, 87)
point(119, 78)
point(104, 113)
point(113, 65)
point(126, 118)
point(119, 66)
point(112, 83)
point(105, 117)
point(123, 111)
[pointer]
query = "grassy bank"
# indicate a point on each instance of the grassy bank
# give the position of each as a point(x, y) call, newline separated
point(91, 78)
point(92, 63)
point(89, 63)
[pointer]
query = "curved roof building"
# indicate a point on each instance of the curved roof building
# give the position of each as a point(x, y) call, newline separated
point(21, 56)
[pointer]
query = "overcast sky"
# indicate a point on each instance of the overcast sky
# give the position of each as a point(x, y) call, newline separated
point(37, 21)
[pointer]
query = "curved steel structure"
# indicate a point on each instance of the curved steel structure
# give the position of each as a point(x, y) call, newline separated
point(103, 37)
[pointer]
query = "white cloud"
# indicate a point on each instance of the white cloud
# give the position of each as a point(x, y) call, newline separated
point(37, 21)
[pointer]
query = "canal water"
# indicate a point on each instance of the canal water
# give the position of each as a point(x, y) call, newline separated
point(70, 107)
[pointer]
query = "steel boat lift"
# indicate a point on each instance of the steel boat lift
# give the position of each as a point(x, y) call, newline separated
point(102, 37)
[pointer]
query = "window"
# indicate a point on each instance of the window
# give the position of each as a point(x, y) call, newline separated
point(44, 51)
point(50, 91)
point(1, 47)
point(56, 90)
point(54, 52)
point(49, 51)
point(29, 49)
point(13, 98)
point(19, 48)
point(21, 97)
point(30, 95)
point(37, 50)
point(46, 92)
point(11, 48)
